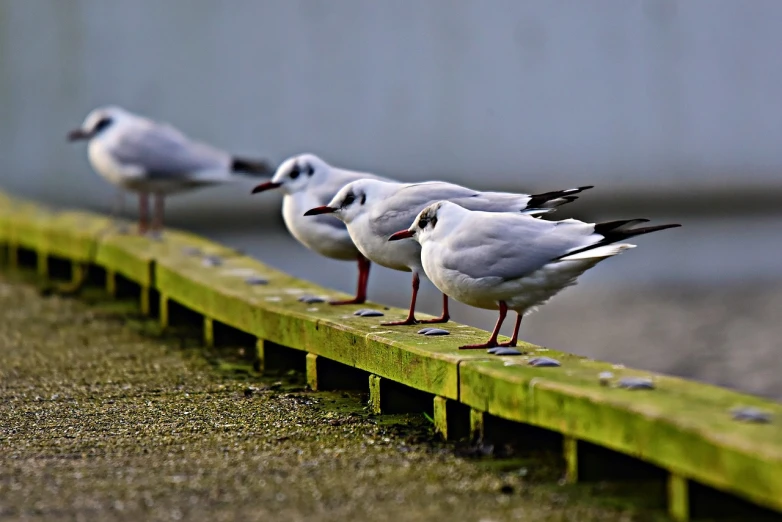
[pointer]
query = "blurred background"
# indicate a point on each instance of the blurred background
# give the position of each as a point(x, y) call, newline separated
point(670, 108)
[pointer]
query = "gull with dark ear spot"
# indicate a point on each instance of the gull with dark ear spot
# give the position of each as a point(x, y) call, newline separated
point(507, 261)
point(307, 181)
point(374, 209)
point(151, 158)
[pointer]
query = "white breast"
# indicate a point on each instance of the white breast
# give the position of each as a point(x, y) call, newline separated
point(105, 165)
point(327, 240)
point(403, 255)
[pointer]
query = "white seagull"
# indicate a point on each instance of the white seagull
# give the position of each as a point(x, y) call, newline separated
point(149, 157)
point(375, 209)
point(511, 261)
point(308, 181)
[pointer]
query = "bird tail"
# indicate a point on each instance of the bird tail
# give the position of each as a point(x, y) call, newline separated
point(252, 168)
point(613, 232)
point(555, 198)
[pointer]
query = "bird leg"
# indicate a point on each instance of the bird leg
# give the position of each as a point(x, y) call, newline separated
point(143, 213)
point(443, 318)
point(160, 210)
point(411, 313)
point(118, 208)
point(364, 265)
point(515, 337)
point(492, 342)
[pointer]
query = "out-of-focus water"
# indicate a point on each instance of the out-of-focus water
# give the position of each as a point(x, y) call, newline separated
point(702, 301)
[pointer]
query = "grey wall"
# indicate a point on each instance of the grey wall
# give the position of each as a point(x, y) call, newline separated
point(540, 93)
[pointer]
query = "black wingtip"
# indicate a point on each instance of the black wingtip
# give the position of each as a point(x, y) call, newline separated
point(556, 197)
point(252, 167)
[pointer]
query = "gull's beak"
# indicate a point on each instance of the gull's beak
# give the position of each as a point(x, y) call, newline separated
point(320, 210)
point(78, 134)
point(402, 234)
point(266, 186)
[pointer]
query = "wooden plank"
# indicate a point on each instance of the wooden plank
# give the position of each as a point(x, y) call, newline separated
point(677, 426)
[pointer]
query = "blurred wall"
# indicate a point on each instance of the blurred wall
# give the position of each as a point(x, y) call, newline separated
point(626, 94)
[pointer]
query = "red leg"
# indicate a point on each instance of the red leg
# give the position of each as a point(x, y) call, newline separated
point(443, 318)
point(160, 210)
point(363, 278)
point(492, 342)
point(410, 314)
point(143, 212)
point(515, 337)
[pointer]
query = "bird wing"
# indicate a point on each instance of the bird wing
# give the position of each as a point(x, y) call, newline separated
point(163, 151)
point(399, 210)
point(511, 246)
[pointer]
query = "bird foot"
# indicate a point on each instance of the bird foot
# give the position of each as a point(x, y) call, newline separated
point(442, 319)
point(407, 322)
point(508, 344)
point(488, 344)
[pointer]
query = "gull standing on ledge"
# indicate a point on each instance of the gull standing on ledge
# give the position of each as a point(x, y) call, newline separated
point(148, 157)
point(308, 181)
point(375, 209)
point(511, 261)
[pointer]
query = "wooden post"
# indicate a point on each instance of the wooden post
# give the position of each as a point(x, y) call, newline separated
point(209, 332)
point(678, 498)
point(476, 425)
point(374, 394)
point(441, 416)
point(570, 451)
point(312, 371)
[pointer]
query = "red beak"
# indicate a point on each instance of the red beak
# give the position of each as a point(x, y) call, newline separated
point(266, 186)
point(402, 234)
point(320, 210)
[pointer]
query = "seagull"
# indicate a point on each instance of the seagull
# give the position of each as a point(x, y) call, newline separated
point(375, 209)
point(149, 157)
point(308, 181)
point(511, 261)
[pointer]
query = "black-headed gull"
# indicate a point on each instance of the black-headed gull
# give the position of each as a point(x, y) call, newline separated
point(375, 209)
point(308, 181)
point(149, 157)
point(511, 261)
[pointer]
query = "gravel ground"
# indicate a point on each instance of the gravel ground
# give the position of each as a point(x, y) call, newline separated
point(104, 417)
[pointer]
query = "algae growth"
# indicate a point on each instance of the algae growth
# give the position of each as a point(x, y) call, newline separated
point(105, 417)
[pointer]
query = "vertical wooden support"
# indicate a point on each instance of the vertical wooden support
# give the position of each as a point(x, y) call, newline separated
point(78, 273)
point(163, 308)
point(209, 332)
point(441, 416)
point(678, 498)
point(374, 394)
point(570, 452)
point(312, 371)
point(13, 256)
point(260, 356)
point(42, 265)
point(144, 302)
point(476, 424)
point(111, 283)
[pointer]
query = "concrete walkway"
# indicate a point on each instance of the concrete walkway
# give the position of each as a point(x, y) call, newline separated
point(105, 418)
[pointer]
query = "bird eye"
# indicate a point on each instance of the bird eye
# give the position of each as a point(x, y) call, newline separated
point(422, 223)
point(349, 199)
point(295, 172)
point(102, 124)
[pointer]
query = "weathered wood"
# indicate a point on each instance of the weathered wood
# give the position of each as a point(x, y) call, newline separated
point(681, 426)
point(678, 498)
